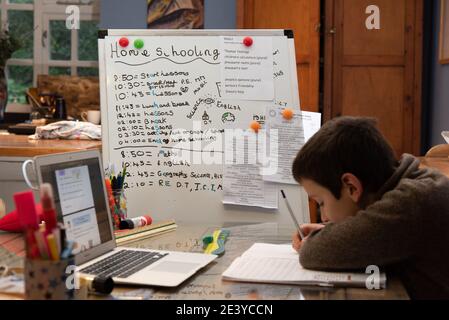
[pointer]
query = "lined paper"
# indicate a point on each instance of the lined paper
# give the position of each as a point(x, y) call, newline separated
point(280, 264)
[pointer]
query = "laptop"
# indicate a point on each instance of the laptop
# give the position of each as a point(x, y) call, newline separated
point(81, 203)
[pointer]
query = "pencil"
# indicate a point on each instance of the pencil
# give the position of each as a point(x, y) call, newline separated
point(292, 215)
point(53, 247)
point(123, 174)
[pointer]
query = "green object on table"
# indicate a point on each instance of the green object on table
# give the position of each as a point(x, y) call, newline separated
point(215, 243)
point(207, 240)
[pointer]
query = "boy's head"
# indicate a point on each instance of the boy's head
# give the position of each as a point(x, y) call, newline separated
point(345, 163)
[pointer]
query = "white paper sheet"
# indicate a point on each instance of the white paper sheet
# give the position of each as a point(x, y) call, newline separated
point(445, 135)
point(243, 183)
point(292, 135)
point(280, 264)
point(247, 72)
point(12, 284)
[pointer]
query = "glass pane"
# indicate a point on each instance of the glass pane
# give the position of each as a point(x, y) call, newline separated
point(84, 72)
point(87, 41)
point(57, 71)
point(20, 78)
point(21, 26)
point(20, 1)
point(60, 40)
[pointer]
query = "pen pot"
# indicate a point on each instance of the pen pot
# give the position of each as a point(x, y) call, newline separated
point(50, 280)
point(119, 207)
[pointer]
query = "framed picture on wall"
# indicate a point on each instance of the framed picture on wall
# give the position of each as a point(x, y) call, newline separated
point(444, 32)
point(175, 14)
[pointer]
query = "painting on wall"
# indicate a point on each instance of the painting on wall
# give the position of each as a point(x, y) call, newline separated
point(175, 14)
point(444, 32)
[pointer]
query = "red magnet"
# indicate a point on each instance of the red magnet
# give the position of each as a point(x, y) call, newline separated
point(123, 42)
point(248, 41)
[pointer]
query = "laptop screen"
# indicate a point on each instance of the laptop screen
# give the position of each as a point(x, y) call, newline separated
point(80, 202)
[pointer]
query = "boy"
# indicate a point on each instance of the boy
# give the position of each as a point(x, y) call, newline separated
point(377, 210)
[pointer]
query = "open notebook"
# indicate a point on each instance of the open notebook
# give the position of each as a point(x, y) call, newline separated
point(269, 263)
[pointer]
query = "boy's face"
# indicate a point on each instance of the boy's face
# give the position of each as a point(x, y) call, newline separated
point(333, 210)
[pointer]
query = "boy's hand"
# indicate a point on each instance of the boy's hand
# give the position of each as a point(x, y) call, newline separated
point(306, 230)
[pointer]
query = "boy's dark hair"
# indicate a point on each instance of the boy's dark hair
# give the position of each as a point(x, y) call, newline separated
point(346, 145)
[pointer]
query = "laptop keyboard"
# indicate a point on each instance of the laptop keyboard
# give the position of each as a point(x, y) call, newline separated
point(123, 263)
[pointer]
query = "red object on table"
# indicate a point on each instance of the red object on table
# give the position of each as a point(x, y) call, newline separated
point(11, 222)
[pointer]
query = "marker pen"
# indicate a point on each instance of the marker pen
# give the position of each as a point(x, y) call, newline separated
point(135, 222)
point(48, 208)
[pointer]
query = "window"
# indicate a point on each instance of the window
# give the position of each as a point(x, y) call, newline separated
point(18, 17)
point(48, 47)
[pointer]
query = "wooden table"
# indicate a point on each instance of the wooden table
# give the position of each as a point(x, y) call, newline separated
point(207, 283)
point(20, 146)
point(15, 149)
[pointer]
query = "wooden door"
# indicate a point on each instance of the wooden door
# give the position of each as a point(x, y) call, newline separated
point(303, 17)
point(376, 72)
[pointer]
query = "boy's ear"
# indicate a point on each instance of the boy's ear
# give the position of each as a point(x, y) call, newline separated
point(353, 186)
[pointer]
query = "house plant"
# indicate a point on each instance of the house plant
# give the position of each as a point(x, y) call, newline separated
point(8, 44)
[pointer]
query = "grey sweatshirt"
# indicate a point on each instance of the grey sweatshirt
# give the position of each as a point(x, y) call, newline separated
point(406, 231)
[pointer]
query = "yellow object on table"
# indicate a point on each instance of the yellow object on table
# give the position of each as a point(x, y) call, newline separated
point(215, 244)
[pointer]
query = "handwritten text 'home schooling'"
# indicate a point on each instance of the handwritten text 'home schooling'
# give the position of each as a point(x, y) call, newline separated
point(172, 52)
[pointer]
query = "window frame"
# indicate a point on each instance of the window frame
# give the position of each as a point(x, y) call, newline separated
point(5, 6)
point(44, 11)
point(57, 12)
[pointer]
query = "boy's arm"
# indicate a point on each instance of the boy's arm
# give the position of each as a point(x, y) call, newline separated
point(385, 233)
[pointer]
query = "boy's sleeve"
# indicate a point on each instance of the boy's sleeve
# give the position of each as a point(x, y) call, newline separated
point(385, 233)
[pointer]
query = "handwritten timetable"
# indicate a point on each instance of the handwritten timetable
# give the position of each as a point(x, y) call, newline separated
point(167, 117)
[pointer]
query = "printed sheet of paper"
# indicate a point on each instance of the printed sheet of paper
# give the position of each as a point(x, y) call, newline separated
point(247, 72)
point(291, 135)
point(445, 135)
point(243, 183)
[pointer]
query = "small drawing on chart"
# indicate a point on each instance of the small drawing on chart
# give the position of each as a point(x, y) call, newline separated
point(206, 118)
point(209, 101)
point(218, 88)
point(228, 117)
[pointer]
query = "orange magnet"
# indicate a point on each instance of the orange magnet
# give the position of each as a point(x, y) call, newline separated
point(255, 126)
point(287, 114)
